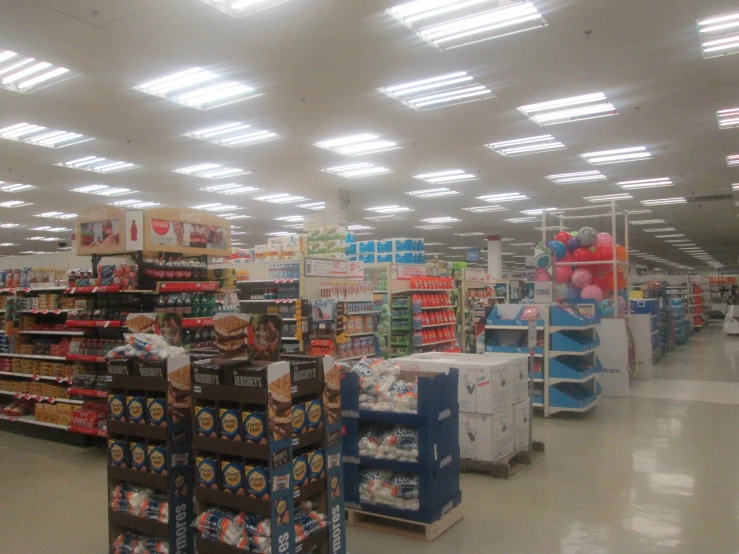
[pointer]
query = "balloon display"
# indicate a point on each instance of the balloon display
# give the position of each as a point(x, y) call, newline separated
point(581, 278)
point(591, 292)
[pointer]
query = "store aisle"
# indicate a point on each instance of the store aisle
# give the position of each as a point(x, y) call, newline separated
point(646, 475)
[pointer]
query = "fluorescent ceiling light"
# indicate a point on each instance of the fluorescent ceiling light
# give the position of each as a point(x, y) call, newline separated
point(103, 190)
point(432, 227)
point(735, 187)
point(608, 197)
point(579, 177)
point(232, 217)
point(522, 219)
point(647, 222)
point(45, 239)
point(279, 234)
point(439, 91)
point(460, 247)
point(484, 209)
point(217, 207)
point(281, 198)
point(522, 244)
point(14, 204)
point(97, 165)
point(448, 176)
point(132, 203)
point(664, 201)
point(718, 35)
point(11, 226)
point(473, 234)
point(290, 218)
point(315, 206)
point(230, 189)
point(660, 230)
point(8, 244)
point(56, 215)
point(435, 244)
point(671, 236)
point(679, 241)
point(728, 119)
point(445, 219)
point(17, 187)
point(645, 183)
point(356, 145)
point(385, 218)
point(211, 171)
point(359, 227)
point(198, 88)
point(575, 108)
point(505, 197)
point(732, 161)
point(531, 145)
point(391, 209)
point(233, 135)
point(23, 74)
point(538, 211)
point(239, 233)
point(41, 136)
point(447, 24)
point(619, 155)
point(242, 8)
point(639, 212)
point(432, 193)
point(358, 170)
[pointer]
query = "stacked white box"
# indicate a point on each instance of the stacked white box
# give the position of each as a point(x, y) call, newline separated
point(521, 427)
point(492, 393)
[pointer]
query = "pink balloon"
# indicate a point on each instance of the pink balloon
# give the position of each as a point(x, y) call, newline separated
point(581, 278)
point(604, 239)
point(592, 292)
point(563, 273)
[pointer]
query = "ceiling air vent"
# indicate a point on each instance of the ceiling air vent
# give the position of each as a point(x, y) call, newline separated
point(709, 198)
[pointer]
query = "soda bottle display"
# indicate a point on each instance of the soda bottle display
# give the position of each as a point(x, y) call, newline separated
point(187, 339)
point(186, 270)
point(177, 265)
point(196, 306)
point(187, 305)
point(179, 304)
point(171, 304)
point(160, 307)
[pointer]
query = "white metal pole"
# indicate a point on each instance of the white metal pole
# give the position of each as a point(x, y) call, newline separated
point(615, 258)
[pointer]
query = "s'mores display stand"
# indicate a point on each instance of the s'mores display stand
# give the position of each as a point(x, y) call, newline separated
point(150, 477)
point(478, 290)
point(267, 441)
point(401, 447)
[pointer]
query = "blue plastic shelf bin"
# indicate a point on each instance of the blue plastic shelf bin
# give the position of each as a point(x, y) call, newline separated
point(646, 306)
point(572, 341)
point(495, 318)
point(572, 367)
point(572, 395)
point(512, 349)
point(558, 317)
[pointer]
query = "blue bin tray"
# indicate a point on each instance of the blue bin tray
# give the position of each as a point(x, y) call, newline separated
point(572, 369)
point(565, 342)
point(573, 397)
point(538, 351)
point(560, 317)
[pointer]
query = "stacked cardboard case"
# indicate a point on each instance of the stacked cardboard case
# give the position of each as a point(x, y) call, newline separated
point(493, 401)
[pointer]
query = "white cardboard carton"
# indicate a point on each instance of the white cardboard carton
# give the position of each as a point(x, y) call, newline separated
point(468, 435)
point(467, 387)
point(519, 375)
point(501, 387)
point(521, 425)
point(494, 438)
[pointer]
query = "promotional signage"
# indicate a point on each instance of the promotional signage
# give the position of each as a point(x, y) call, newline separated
point(473, 255)
point(100, 230)
point(315, 267)
point(355, 270)
point(478, 276)
point(543, 292)
point(406, 271)
point(186, 231)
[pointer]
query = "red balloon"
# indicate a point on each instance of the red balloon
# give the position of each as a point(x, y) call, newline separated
point(582, 255)
point(564, 237)
point(603, 253)
point(620, 281)
point(599, 282)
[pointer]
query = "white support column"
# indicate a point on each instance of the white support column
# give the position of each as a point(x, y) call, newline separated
point(336, 212)
point(495, 256)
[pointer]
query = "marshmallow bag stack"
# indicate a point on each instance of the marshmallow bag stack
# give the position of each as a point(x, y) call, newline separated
point(382, 390)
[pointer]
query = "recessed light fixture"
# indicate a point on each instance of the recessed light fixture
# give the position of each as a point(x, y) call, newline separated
point(719, 35)
point(242, 8)
point(579, 177)
point(359, 227)
point(645, 183)
point(664, 201)
point(608, 197)
point(233, 217)
point(233, 135)
point(446, 24)
point(315, 206)
point(217, 207)
point(671, 236)
point(358, 170)
point(356, 145)
point(732, 161)
point(448, 176)
point(390, 209)
point(211, 171)
point(97, 165)
point(522, 244)
point(522, 219)
point(23, 74)
point(647, 221)
point(290, 218)
point(439, 91)
point(728, 119)
point(281, 198)
point(133, 203)
point(41, 136)
point(484, 209)
point(472, 234)
point(505, 197)
point(56, 215)
point(431, 227)
point(103, 190)
point(677, 241)
point(735, 187)
point(11, 225)
point(279, 234)
point(198, 88)
point(575, 108)
point(460, 247)
point(14, 204)
point(445, 219)
point(660, 230)
point(531, 145)
point(294, 226)
point(8, 244)
point(433, 193)
point(538, 211)
point(620, 155)
point(17, 187)
point(639, 212)
point(385, 218)
point(44, 239)
point(231, 189)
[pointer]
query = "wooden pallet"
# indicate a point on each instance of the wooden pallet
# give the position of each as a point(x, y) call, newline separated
point(505, 467)
point(403, 527)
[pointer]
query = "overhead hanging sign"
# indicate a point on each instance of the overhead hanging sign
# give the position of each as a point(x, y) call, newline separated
point(186, 231)
point(100, 230)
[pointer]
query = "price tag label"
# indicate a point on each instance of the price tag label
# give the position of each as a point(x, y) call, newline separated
point(315, 267)
point(355, 270)
point(406, 271)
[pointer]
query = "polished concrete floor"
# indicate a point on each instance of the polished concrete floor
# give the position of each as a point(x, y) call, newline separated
point(654, 473)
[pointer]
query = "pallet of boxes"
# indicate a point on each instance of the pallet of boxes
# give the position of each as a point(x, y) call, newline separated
point(401, 448)
point(494, 410)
